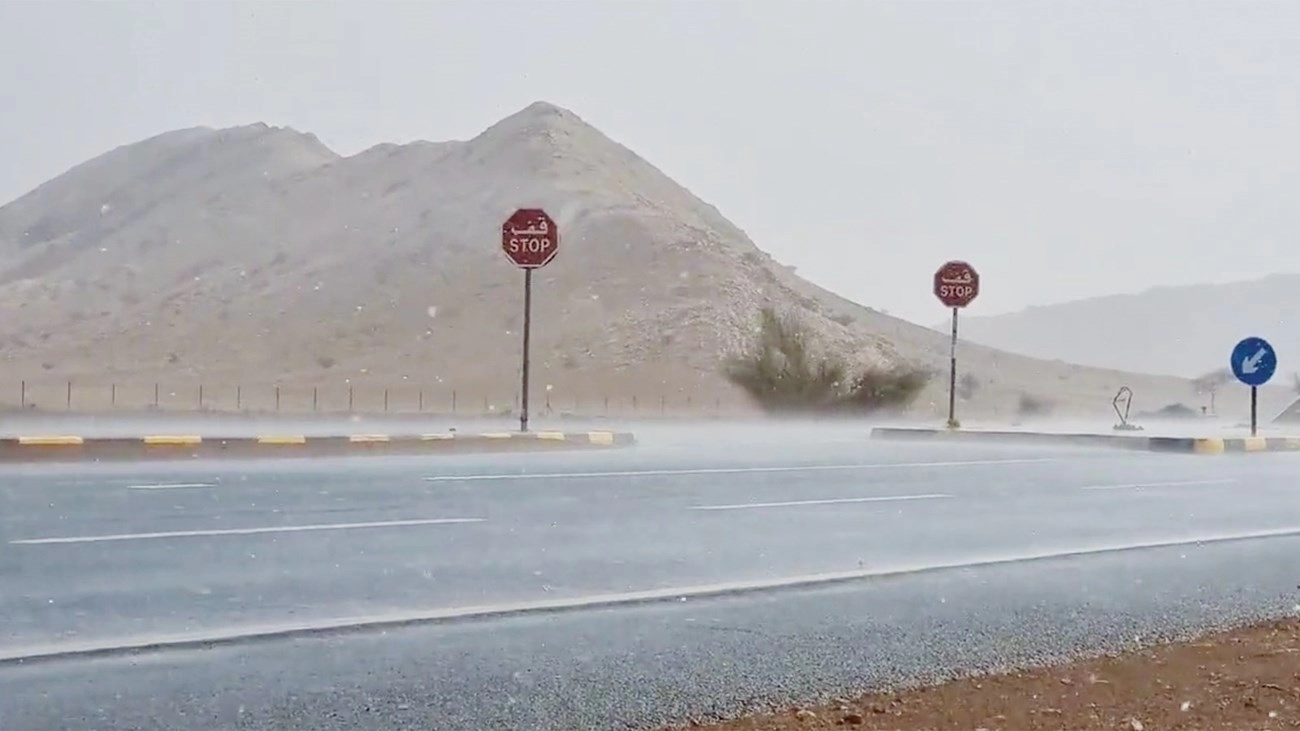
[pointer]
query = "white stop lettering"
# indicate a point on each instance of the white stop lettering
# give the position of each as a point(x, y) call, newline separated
point(956, 291)
point(529, 245)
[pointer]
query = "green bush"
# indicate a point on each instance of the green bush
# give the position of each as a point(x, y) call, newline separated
point(784, 372)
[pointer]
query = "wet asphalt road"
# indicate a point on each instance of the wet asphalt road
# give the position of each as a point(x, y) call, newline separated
point(113, 554)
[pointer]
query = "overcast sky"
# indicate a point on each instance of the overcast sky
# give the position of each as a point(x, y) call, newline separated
point(1067, 149)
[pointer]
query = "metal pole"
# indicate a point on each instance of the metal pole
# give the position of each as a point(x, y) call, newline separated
point(315, 398)
point(69, 395)
point(528, 326)
point(1254, 408)
point(952, 375)
point(24, 393)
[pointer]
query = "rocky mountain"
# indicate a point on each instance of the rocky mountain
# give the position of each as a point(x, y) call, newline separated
point(1184, 331)
point(256, 255)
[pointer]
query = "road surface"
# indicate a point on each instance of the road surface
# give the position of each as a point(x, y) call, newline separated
point(971, 554)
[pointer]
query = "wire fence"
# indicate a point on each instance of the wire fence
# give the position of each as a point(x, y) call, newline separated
point(74, 396)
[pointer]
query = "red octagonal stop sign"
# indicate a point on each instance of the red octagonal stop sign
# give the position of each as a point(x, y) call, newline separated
point(530, 238)
point(956, 284)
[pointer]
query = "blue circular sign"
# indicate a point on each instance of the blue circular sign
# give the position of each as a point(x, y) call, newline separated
point(1253, 361)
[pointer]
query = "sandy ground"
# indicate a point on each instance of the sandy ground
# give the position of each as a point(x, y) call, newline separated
point(1243, 679)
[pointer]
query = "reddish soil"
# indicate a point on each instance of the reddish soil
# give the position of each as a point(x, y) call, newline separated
point(1243, 679)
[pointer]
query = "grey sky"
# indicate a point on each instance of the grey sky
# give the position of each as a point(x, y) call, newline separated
point(1068, 149)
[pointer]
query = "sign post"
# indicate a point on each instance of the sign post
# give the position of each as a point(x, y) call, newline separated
point(956, 284)
point(1253, 362)
point(530, 239)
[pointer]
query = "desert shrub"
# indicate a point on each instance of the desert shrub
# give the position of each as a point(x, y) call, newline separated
point(325, 361)
point(784, 371)
point(967, 385)
point(1031, 405)
point(884, 388)
point(1174, 411)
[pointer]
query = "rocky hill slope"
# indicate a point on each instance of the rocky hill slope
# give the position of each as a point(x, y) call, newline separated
point(257, 256)
point(1184, 331)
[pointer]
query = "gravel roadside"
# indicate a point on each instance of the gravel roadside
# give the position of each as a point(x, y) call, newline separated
point(1247, 678)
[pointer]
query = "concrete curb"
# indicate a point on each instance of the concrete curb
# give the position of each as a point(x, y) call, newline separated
point(1178, 445)
point(60, 448)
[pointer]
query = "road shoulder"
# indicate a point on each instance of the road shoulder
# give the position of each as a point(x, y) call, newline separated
point(1245, 678)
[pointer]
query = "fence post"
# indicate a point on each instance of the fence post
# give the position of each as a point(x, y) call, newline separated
point(200, 397)
point(607, 406)
point(277, 398)
point(453, 401)
point(112, 395)
point(314, 398)
point(385, 401)
point(663, 404)
point(421, 406)
point(239, 398)
point(634, 403)
point(23, 392)
point(155, 395)
point(69, 395)
point(349, 399)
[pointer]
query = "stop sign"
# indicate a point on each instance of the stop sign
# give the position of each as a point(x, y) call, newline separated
point(530, 238)
point(956, 284)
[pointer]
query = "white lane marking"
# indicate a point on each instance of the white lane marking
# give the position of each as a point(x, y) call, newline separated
point(724, 470)
point(242, 633)
point(828, 501)
point(1176, 483)
point(240, 531)
point(171, 486)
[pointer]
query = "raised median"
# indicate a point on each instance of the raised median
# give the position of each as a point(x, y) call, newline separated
point(1184, 445)
point(71, 448)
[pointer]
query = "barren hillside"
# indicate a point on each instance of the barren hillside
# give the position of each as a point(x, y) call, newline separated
point(1185, 331)
point(257, 256)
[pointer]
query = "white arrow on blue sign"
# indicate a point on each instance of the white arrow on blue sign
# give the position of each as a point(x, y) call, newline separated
point(1254, 361)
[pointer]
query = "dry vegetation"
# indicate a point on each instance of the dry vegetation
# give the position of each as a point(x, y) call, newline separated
point(786, 370)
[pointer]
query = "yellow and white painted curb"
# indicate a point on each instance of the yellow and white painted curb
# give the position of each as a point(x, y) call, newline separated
point(1188, 445)
point(40, 447)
